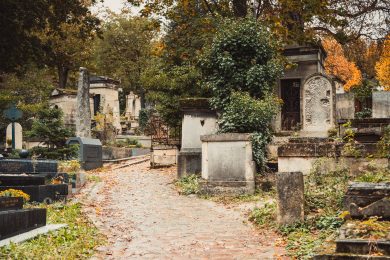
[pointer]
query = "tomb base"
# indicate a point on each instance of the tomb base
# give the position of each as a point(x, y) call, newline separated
point(189, 162)
point(228, 188)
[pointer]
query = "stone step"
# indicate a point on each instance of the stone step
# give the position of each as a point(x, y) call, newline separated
point(21, 180)
point(13, 222)
point(349, 257)
point(363, 247)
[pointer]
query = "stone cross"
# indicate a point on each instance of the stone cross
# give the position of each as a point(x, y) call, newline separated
point(83, 114)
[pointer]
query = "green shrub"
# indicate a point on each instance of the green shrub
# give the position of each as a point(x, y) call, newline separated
point(241, 68)
point(384, 144)
point(325, 188)
point(67, 152)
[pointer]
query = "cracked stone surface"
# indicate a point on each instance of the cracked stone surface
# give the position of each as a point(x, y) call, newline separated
point(144, 217)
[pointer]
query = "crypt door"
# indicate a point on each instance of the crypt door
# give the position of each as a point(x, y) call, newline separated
point(291, 109)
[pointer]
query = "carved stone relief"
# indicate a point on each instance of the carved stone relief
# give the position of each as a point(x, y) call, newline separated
point(317, 106)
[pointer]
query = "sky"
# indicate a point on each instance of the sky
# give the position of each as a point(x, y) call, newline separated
point(113, 5)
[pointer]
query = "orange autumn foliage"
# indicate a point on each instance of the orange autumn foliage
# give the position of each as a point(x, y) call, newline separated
point(336, 64)
point(382, 67)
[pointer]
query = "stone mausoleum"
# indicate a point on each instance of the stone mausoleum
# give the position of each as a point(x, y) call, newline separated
point(104, 98)
point(308, 94)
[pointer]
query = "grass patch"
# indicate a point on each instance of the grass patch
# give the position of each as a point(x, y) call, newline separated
point(188, 184)
point(264, 216)
point(77, 241)
point(94, 178)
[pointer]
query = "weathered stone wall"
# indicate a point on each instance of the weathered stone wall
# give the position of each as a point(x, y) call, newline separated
point(381, 104)
point(109, 101)
point(194, 125)
point(345, 106)
point(68, 104)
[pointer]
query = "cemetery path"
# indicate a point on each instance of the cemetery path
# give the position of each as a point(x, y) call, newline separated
point(144, 217)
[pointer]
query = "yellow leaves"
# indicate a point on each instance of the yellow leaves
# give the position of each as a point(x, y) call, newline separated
point(382, 67)
point(336, 64)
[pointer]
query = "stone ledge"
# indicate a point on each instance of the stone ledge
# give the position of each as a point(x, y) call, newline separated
point(230, 188)
point(228, 137)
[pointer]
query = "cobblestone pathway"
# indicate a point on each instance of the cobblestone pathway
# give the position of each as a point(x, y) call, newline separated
point(144, 217)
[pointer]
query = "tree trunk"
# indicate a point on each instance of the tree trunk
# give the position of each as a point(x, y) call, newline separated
point(62, 76)
point(240, 8)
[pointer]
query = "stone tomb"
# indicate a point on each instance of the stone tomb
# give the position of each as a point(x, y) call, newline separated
point(198, 120)
point(15, 220)
point(30, 177)
point(365, 199)
point(227, 164)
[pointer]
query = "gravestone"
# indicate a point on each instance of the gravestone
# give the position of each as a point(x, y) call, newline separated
point(18, 135)
point(18, 166)
point(318, 104)
point(90, 152)
point(290, 192)
point(381, 104)
point(83, 115)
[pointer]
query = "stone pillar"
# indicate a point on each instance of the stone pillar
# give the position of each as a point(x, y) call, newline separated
point(83, 114)
point(290, 192)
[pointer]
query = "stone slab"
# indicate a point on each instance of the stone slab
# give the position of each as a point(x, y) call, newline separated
point(362, 247)
point(14, 222)
point(290, 193)
point(228, 137)
point(11, 203)
point(28, 166)
point(228, 188)
point(31, 234)
point(43, 193)
point(349, 257)
point(21, 180)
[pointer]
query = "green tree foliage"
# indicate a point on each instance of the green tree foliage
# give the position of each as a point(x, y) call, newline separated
point(49, 127)
point(23, 21)
point(242, 57)
point(30, 92)
point(165, 86)
point(125, 48)
point(241, 68)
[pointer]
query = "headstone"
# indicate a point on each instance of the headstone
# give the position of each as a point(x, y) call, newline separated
point(83, 115)
point(18, 135)
point(290, 192)
point(11, 203)
point(90, 152)
point(318, 104)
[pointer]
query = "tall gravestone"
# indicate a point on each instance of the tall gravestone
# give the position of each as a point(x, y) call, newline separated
point(83, 115)
point(318, 104)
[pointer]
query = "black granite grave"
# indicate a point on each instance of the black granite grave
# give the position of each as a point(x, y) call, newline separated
point(28, 166)
point(15, 220)
point(43, 193)
point(21, 180)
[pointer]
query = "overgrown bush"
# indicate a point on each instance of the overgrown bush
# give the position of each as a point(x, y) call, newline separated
point(325, 188)
point(264, 216)
point(67, 152)
point(241, 68)
point(15, 193)
point(384, 144)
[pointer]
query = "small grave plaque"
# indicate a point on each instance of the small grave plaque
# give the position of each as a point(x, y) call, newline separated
point(10, 203)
